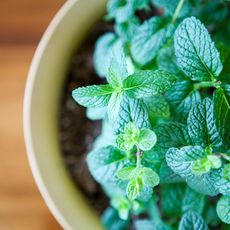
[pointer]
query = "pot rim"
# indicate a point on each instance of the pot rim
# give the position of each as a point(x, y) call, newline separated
point(26, 110)
point(65, 202)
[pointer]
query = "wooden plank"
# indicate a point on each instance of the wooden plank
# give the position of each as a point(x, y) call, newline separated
point(21, 26)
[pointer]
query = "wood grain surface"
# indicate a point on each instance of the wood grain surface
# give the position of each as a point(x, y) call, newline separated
point(22, 23)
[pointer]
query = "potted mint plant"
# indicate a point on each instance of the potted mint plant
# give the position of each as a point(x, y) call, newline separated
point(162, 101)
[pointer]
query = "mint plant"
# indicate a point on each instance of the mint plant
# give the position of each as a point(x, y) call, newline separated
point(163, 156)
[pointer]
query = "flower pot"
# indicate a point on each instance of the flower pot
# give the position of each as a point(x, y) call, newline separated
point(41, 106)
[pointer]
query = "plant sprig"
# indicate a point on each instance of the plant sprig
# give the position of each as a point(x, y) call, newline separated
point(165, 143)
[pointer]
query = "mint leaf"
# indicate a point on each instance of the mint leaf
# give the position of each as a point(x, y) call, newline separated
point(226, 172)
point(196, 53)
point(103, 163)
point(114, 76)
point(134, 188)
point(120, 10)
point(170, 7)
point(95, 96)
point(172, 134)
point(192, 221)
point(132, 110)
point(103, 52)
point(114, 106)
point(126, 173)
point(110, 220)
point(224, 76)
point(182, 97)
point(166, 60)
point(193, 201)
point(201, 166)
point(126, 29)
point(129, 138)
point(147, 139)
point(148, 176)
point(201, 125)
point(220, 182)
point(222, 115)
point(215, 161)
point(158, 107)
point(223, 209)
point(122, 205)
point(147, 83)
point(172, 197)
point(167, 175)
point(181, 161)
point(148, 39)
point(150, 225)
point(96, 113)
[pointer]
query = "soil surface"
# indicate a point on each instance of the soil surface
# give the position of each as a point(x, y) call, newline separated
point(77, 132)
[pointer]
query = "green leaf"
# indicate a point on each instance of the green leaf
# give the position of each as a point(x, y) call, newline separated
point(170, 7)
point(157, 106)
point(220, 182)
point(193, 201)
point(215, 161)
point(95, 96)
point(149, 38)
point(222, 116)
point(172, 134)
point(117, 70)
point(132, 110)
point(107, 136)
point(196, 53)
point(103, 163)
point(166, 60)
point(146, 194)
point(167, 175)
point(182, 97)
point(126, 173)
point(211, 217)
point(122, 205)
point(223, 209)
point(192, 221)
point(103, 52)
point(201, 125)
point(134, 188)
point(129, 138)
point(201, 166)
point(224, 76)
point(123, 143)
point(111, 220)
point(147, 83)
point(114, 76)
point(96, 113)
point(126, 29)
point(147, 139)
point(150, 225)
point(226, 172)
point(114, 106)
point(148, 176)
point(172, 197)
point(132, 131)
point(123, 11)
point(181, 161)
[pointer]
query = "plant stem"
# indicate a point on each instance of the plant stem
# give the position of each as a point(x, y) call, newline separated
point(206, 84)
point(177, 11)
point(138, 155)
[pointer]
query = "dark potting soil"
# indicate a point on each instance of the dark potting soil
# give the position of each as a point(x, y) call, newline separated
point(78, 133)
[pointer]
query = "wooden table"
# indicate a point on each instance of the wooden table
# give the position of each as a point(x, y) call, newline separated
point(22, 23)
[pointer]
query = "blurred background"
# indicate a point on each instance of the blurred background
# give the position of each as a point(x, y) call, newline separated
point(22, 23)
